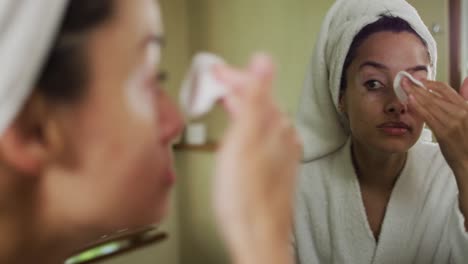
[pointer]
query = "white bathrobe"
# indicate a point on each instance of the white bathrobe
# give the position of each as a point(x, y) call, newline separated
point(422, 224)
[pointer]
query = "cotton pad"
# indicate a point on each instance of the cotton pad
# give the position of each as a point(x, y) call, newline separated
point(400, 93)
point(200, 89)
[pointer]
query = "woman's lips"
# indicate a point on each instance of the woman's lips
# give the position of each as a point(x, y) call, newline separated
point(168, 171)
point(395, 128)
point(170, 176)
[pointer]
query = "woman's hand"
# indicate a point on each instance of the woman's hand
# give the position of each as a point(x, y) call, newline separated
point(256, 168)
point(446, 113)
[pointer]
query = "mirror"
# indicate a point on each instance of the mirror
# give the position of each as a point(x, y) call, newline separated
point(233, 29)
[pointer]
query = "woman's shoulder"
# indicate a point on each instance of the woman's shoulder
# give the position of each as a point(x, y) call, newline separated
point(315, 172)
point(320, 164)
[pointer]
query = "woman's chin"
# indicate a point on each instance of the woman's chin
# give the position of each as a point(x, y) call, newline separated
point(395, 146)
point(148, 215)
point(162, 212)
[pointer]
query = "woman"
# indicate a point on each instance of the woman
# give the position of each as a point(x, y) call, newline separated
point(370, 190)
point(86, 130)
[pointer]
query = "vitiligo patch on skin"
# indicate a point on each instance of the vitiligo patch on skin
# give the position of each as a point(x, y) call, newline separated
point(400, 93)
point(200, 89)
point(137, 91)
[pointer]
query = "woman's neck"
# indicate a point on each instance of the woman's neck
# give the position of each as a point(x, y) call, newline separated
point(25, 238)
point(19, 244)
point(375, 168)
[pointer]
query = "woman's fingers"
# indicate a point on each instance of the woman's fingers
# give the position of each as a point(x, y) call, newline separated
point(262, 66)
point(435, 103)
point(447, 92)
point(248, 89)
point(234, 79)
point(229, 75)
point(442, 115)
point(420, 106)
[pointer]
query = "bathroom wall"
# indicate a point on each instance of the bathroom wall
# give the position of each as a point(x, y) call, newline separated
point(435, 14)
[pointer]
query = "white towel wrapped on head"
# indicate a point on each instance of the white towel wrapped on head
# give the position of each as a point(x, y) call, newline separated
point(27, 30)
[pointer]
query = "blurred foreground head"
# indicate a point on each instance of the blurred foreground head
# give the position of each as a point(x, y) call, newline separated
point(85, 124)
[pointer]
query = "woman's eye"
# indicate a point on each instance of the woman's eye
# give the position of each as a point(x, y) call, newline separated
point(157, 80)
point(373, 85)
point(162, 76)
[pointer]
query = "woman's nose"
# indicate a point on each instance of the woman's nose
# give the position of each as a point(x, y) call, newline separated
point(170, 119)
point(394, 106)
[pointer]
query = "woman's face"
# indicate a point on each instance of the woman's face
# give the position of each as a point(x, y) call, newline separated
point(376, 118)
point(122, 130)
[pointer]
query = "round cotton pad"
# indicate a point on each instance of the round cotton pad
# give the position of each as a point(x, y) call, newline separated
point(400, 93)
point(200, 89)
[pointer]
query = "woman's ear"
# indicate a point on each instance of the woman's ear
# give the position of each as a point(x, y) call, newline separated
point(31, 140)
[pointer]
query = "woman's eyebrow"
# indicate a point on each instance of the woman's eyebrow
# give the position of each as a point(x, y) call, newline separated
point(383, 67)
point(418, 68)
point(373, 64)
point(154, 39)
